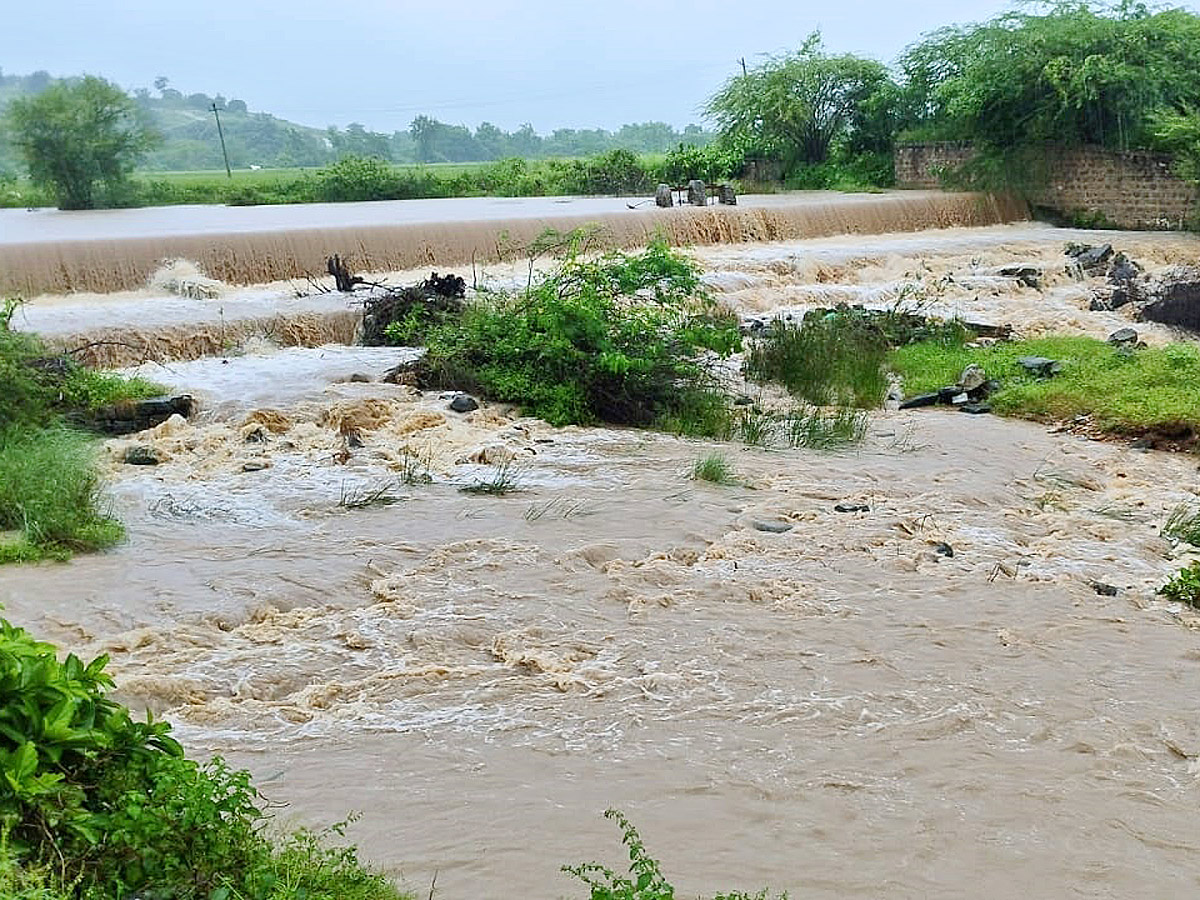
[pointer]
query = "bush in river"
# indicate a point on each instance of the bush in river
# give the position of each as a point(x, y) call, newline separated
point(624, 339)
point(94, 804)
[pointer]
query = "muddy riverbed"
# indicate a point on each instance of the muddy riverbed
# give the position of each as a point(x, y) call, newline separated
point(777, 693)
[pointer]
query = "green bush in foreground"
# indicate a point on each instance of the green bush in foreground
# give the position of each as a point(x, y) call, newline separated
point(96, 805)
point(1123, 392)
point(623, 339)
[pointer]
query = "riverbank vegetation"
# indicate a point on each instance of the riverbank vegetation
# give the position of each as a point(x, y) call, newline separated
point(95, 804)
point(1126, 392)
point(50, 499)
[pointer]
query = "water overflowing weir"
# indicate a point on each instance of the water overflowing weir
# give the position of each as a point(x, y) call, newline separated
point(53, 252)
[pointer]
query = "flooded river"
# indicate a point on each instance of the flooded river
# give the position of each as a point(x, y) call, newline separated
point(777, 693)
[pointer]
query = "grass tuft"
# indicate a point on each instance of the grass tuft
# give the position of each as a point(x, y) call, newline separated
point(50, 494)
point(1183, 525)
point(505, 478)
point(825, 429)
point(714, 468)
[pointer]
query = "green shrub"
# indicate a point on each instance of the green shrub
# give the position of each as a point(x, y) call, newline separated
point(356, 178)
point(646, 880)
point(94, 804)
point(619, 339)
point(1184, 586)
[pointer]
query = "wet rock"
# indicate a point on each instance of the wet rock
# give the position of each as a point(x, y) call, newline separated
point(848, 507)
point(138, 415)
point(1029, 274)
point(1092, 260)
point(976, 408)
point(359, 378)
point(941, 548)
point(1123, 270)
point(143, 455)
point(921, 400)
point(1176, 300)
point(972, 377)
point(1105, 590)
point(697, 193)
point(663, 197)
point(1124, 337)
point(1040, 366)
point(463, 403)
point(726, 195)
point(771, 527)
point(256, 465)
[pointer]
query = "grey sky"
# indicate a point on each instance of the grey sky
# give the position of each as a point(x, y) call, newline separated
point(553, 64)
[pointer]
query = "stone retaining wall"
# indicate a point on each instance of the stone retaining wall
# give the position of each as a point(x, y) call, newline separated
point(1130, 189)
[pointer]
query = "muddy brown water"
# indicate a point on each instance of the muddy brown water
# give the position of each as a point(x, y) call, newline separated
point(836, 710)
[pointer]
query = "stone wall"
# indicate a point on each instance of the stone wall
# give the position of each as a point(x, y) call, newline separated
point(1131, 189)
point(922, 165)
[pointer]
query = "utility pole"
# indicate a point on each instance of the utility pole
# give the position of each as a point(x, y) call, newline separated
point(221, 135)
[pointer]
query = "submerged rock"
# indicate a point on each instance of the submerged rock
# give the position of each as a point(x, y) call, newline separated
point(848, 507)
point(771, 527)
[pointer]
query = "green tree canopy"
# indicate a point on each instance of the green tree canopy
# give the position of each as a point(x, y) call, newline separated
point(795, 107)
point(75, 135)
point(1075, 73)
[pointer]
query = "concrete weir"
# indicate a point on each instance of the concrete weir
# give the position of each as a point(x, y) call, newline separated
point(49, 251)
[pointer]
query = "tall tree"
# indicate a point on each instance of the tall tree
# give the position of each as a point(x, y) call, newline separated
point(75, 135)
point(795, 106)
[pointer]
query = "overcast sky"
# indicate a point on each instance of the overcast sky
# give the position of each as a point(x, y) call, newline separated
point(553, 63)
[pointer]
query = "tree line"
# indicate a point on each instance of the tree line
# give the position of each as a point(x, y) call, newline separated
point(1069, 73)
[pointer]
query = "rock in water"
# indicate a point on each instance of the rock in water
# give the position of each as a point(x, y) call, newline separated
point(142, 455)
point(697, 193)
point(1092, 260)
point(662, 196)
point(463, 403)
point(138, 415)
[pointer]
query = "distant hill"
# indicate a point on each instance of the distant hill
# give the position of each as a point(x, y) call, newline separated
point(190, 139)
